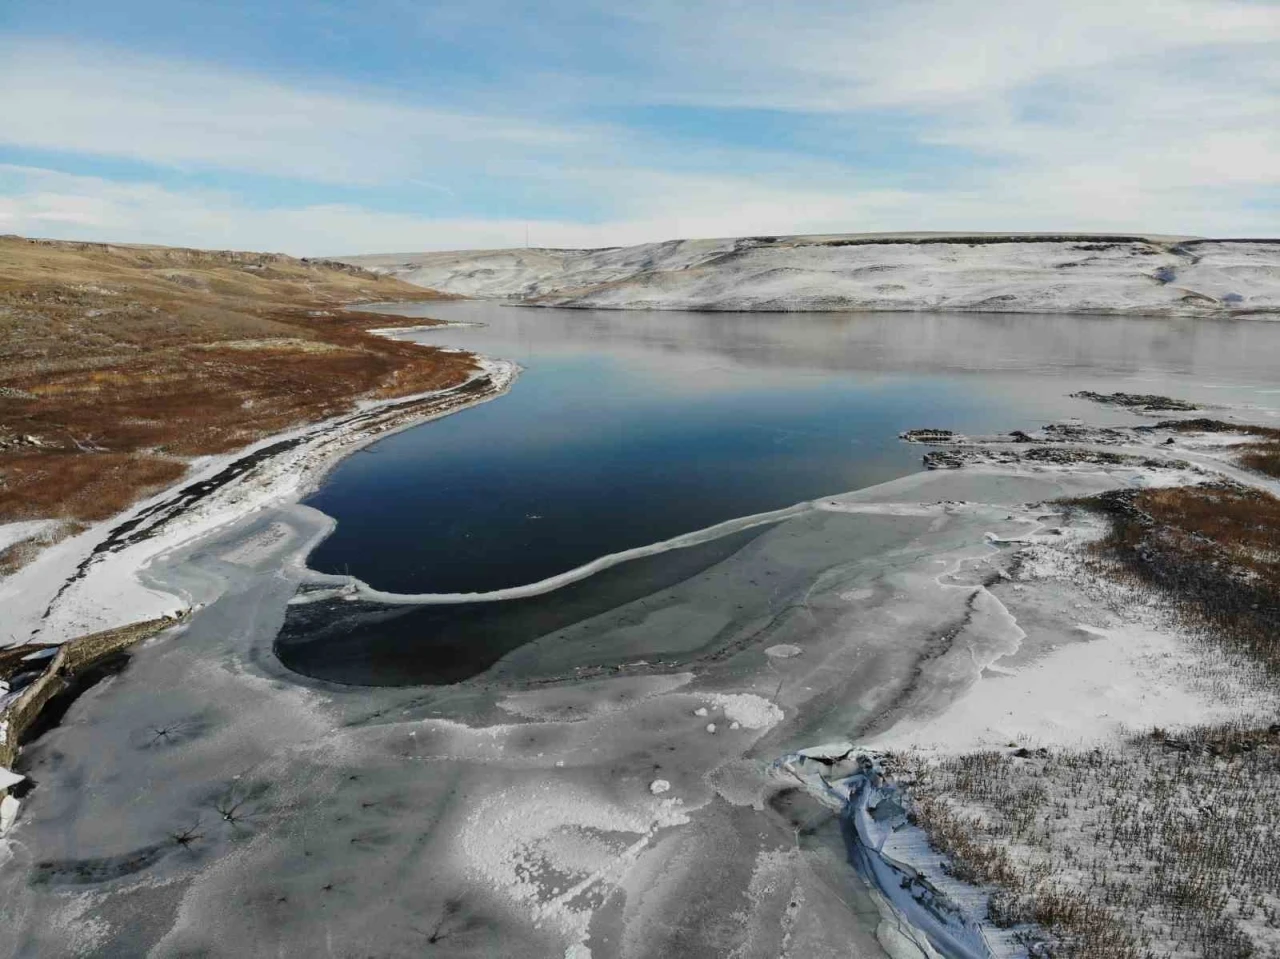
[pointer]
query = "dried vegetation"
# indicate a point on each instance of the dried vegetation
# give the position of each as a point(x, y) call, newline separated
point(1261, 454)
point(117, 363)
point(1209, 554)
point(1164, 846)
point(1167, 845)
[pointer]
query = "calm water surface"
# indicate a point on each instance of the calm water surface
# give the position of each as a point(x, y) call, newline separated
point(626, 428)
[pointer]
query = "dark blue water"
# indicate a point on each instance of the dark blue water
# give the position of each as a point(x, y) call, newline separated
point(629, 428)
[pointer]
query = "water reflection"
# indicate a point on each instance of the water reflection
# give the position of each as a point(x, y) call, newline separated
point(632, 427)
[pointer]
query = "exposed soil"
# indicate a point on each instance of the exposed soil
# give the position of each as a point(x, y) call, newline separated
point(959, 457)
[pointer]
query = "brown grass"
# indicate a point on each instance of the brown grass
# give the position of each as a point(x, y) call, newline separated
point(89, 487)
point(1148, 848)
point(1209, 553)
point(116, 361)
point(1262, 456)
point(1153, 847)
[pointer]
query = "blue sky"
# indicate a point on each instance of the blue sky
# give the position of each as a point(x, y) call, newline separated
point(327, 127)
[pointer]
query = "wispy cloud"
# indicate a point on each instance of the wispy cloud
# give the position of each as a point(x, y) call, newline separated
point(833, 55)
point(106, 103)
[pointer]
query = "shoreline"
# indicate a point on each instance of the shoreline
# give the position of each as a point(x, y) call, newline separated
point(547, 760)
point(75, 572)
point(1264, 314)
point(1050, 711)
point(891, 498)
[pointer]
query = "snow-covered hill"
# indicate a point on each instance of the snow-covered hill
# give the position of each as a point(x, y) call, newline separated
point(1154, 275)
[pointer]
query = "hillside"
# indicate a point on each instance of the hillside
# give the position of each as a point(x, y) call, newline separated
point(1144, 275)
point(119, 364)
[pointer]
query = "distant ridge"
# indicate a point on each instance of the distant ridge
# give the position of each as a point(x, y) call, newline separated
point(1138, 274)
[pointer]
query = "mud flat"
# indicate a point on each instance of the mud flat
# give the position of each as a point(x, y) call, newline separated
point(624, 785)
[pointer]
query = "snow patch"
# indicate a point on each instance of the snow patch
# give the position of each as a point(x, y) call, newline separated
point(747, 709)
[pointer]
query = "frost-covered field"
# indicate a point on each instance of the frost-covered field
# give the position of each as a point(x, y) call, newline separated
point(1111, 798)
point(1093, 274)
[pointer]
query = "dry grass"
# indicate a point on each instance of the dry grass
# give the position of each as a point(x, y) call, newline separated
point(1262, 455)
point(1209, 554)
point(88, 487)
point(1165, 845)
point(1158, 847)
point(117, 361)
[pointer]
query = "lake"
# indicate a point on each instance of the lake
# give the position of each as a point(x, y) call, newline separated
point(628, 428)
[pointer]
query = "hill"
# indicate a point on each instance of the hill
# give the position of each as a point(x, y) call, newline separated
point(119, 364)
point(1020, 273)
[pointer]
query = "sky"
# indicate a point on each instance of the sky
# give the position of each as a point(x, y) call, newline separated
point(320, 127)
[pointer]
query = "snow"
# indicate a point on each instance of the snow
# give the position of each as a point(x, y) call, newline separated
point(938, 912)
point(1155, 275)
point(9, 778)
point(12, 533)
point(1126, 679)
point(8, 813)
point(1093, 663)
point(559, 851)
point(782, 651)
point(747, 709)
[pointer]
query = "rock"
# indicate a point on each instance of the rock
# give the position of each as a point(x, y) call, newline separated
point(1144, 401)
point(659, 786)
point(927, 436)
point(700, 711)
point(711, 727)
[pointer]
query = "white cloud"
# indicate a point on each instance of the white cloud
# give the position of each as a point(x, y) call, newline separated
point(835, 55)
point(94, 102)
point(49, 203)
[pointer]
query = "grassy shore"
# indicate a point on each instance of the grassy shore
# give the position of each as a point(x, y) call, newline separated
point(1163, 844)
point(119, 364)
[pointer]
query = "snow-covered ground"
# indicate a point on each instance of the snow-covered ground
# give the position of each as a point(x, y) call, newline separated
point(1094, 274)
point(1014, 687)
